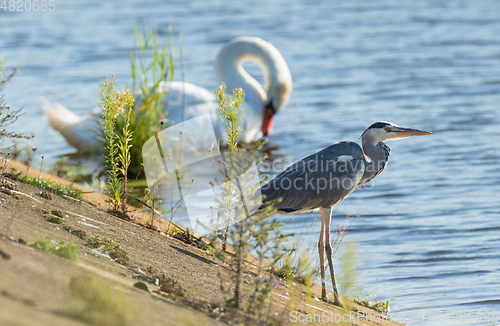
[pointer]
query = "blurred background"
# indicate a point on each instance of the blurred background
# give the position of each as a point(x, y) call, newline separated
point(428, 232)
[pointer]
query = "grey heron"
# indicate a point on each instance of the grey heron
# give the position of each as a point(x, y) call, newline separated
point(325, 178)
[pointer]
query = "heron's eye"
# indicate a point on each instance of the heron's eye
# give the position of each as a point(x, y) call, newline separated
point(386, 128)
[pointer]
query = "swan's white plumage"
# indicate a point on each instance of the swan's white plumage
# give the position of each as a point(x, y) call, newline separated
point(81, 132)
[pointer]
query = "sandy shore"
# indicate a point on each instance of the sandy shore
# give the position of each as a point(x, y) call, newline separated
point(39, 288)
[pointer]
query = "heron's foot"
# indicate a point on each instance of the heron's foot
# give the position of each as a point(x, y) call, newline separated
point(334, 302)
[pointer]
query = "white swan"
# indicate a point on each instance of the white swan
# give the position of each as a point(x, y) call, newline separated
point(260, 104)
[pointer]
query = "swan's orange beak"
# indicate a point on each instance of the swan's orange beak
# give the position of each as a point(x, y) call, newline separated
point(267, 123)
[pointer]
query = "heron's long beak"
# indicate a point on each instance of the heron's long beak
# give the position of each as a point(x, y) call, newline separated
point(267, 123)
point(412, 132)
point(408, 132)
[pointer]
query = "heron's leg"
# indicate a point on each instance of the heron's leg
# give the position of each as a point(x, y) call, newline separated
point(328, 246)
point(321, 251)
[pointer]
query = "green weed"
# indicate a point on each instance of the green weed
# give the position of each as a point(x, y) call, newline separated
point(8, 116)
point(256, 234)
point(380, 306)
point(188, 238)
point(117, 146)
point(124, 135)
point(61, 248)
point(300, 265)
point(165, 282)
point(152, 67)
point(93, 301)
point(266, 241)
point(347, 278)
point(51, 186)
point(297, 268)
point(230, 114)
point(150, 201)
point(124, 146)
point(106, 245)
point(79, 233)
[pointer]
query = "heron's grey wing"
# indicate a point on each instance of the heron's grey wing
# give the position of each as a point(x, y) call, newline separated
point(319, 180)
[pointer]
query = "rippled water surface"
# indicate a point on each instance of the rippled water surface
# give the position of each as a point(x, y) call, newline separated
point(428, 232)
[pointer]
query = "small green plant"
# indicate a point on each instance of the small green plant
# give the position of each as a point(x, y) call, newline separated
point(8, 116)
point(188, 238)
point(174, 207)
point(105, 245)
point(266, 241)
point(165, 282)
point(380, 306)
point(297, 265)
point(230, 114)
point(114, 251)
point(255, 234)
point(341, 232)
point(117, 147)
point(150, 223)
point(49, 185)
point(152, 67)
point(79, 233)
point(347, 278)
point(150, 201)
point(61, 248)
point(262, 237)
point(230, 117)
point(171, 230)
point(170, 285)
point(95, 302)
point(302, 267)
point(125, 144)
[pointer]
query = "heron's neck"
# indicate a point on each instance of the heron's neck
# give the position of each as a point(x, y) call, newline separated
point(379, 155)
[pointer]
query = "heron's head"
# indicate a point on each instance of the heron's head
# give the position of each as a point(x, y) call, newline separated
point(382, 131)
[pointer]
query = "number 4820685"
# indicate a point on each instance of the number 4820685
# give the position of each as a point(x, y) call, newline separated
point(28, 5)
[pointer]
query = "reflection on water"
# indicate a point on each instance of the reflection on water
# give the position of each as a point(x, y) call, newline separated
point(428, 232)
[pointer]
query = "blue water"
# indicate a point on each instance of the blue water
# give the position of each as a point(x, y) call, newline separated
point(428, 232)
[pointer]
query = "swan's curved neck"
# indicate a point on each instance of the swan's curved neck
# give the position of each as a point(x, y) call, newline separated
point(229, 68)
